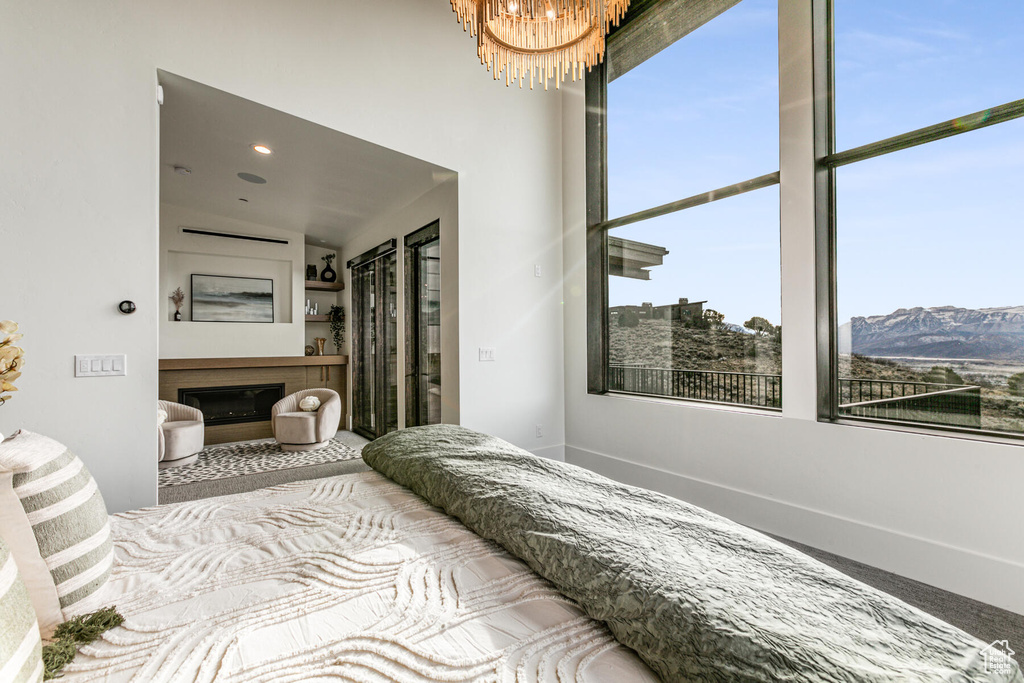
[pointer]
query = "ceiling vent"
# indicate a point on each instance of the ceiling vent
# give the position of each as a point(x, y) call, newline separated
point(233, 236)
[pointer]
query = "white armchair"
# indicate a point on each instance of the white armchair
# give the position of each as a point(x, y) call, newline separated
point(181, 436)
point(299, 430)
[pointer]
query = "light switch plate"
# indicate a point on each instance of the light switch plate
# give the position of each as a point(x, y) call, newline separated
point(486, 354)
point(109, 365)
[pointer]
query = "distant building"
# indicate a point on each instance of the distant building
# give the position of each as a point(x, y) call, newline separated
point(684, 310)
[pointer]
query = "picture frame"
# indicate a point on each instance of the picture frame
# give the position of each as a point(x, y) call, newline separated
point(232, 299)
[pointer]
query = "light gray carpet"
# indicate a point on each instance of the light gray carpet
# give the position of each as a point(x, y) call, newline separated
point(226, 460)
point(983, 621)
point(251, 482)
point(266, 467)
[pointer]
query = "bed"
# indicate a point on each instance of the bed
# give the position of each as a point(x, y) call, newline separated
point(348, 578)
point(463, 558)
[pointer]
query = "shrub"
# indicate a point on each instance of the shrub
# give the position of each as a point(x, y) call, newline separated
point(942, 375)
point(697, 323)
point(629, 319)
point(1016, 384)
point(714, 318)
point(760, 325)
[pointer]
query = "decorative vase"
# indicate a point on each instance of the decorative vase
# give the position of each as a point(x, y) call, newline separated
point(320, 341)
point(177, 316)
point(311, 272)
point(328, 274)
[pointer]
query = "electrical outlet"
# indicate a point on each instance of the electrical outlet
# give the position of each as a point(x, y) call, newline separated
point(536, 270)
point(486, 354)
point(540, 431)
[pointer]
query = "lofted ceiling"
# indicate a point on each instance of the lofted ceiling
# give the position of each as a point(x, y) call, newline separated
point(319, 182)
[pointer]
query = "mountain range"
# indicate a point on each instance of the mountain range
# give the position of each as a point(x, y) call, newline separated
point(940, 332)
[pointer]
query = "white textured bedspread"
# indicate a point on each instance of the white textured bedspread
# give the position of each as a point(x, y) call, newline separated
point(349, 578)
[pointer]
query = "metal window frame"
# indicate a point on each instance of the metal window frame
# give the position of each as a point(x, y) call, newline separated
point(824, 216)
point(375, 259)
point(597, 237)
point(414, 241)
point(381, 250)
point(827, 160)
point(598, 223)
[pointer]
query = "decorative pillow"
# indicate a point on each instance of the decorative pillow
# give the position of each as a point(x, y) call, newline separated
point(20, 647)
point(309, 404)
point(55, 522)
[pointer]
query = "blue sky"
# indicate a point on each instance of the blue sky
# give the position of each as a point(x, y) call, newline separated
point(935, 225)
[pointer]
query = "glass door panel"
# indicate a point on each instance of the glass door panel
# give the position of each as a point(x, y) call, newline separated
point(363, 334)
point(374, 342)
point(423, 325)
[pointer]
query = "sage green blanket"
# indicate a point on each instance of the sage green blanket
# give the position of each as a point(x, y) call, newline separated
point(700, 598)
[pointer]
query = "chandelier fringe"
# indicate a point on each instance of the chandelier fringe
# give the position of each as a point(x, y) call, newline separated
point(539, 40)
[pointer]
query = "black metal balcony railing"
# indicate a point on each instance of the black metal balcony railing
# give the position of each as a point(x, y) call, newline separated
point(924, 402)
point(741, 388)
point(853, 390)
point(953, 405)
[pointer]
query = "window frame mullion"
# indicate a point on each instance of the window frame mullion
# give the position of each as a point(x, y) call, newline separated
point(824, 214)
point(596, 86)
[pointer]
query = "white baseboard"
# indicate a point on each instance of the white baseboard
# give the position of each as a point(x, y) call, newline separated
point(992, 580)
point(551, 452)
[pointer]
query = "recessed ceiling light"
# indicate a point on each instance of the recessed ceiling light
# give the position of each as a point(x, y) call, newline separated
point(262, 149)
point(252, 178)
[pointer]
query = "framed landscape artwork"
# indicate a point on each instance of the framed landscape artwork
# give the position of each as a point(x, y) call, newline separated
point(225, 299)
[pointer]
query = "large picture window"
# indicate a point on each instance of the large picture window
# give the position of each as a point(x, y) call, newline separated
point(684, 284)
point(921, 212)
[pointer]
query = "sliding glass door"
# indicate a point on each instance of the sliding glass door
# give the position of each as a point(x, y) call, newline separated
point(375, 341)
point(423, 326)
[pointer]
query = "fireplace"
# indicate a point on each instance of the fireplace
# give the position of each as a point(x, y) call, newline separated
point(233, 405)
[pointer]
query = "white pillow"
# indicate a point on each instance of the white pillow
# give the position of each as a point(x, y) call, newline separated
point(21, 657)
point(54, 521)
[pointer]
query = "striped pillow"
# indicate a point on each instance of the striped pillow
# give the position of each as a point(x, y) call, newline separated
point(20, 648)
point(55, 521)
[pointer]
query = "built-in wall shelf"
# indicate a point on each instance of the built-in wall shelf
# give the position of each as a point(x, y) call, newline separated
point(318, 286)
point(316, 319)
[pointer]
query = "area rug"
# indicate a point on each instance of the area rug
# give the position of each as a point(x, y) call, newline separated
point(251, 457)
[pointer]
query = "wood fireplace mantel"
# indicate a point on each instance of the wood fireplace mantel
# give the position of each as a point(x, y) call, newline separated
point(265, 362)
point(295, 372)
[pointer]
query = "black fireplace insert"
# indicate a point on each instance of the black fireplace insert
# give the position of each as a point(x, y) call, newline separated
point(233, 405)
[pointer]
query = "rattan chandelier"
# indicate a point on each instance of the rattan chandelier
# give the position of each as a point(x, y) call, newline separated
point(539, 39)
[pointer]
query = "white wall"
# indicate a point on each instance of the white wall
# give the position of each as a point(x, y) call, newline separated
point(182, 255)
point(440, 204)
point(79, 204)
point(941, 510)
